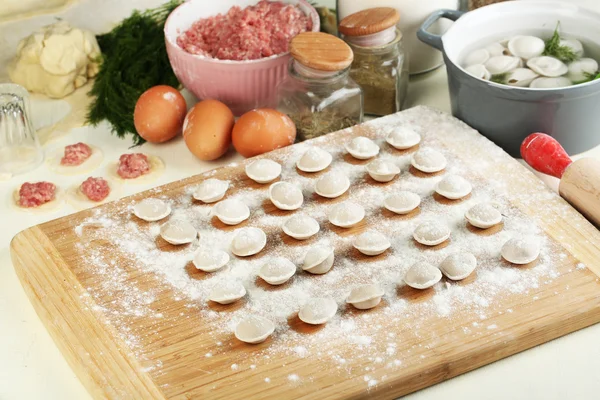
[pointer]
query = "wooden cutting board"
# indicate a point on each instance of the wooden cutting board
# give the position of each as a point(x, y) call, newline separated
point(132, 329)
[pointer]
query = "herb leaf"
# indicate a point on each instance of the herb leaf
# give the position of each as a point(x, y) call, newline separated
point(134, 59)
point(554, 49)
point(500, 78)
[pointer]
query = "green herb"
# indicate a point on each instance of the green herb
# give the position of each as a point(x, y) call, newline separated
point(589, 77)
point(134, 59)
point(500, 78)
point(554, 49)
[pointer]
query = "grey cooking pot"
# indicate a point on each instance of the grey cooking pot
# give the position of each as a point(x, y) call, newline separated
point(506, 115)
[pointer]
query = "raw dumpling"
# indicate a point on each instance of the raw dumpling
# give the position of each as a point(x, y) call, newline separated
point(422, 275)
point(432, 233)
point(428, 160)
point(211, 190)
point(371, 243)
point(318, 310)
point(314, 160)
point(332, 184)
point(151, 210)
point(286, 196)
point(318, 260)
point(382, 171)
point(402, 202)
point(362, 148)
point(346, 214)
point(521, 251)
point(178, 231)
point(365, 296)
point(458, 266)
point(248, 241)
point(209, 259)
point(254, 329)
point(301, 227)
point(483, 215)
point(403, 138)
point(227, 292)
point(277, 271)
point(453, 187)
point(231, 211)
point(263, 170)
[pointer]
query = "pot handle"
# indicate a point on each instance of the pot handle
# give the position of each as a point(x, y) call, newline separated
point(436, 40)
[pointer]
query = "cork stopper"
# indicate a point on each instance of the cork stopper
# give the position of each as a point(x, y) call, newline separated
point(321, 51)
point(369, 21)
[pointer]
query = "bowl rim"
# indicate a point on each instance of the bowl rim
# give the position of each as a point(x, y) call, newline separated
point(515, 5)
point(312, 14)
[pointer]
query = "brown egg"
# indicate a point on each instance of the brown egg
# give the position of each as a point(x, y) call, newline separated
point(207, 129)
point(159, 113)
point(262, 130)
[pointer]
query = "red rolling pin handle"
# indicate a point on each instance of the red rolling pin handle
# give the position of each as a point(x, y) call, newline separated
point(544, 154)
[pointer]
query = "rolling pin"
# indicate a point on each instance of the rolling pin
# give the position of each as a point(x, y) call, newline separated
point(579, 180)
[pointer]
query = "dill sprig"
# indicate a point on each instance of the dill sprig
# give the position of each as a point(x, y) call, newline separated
point(500, 78)
point(554, 49)
point(134, 59)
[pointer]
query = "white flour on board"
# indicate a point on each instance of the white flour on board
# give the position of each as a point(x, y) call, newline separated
point(371, 342)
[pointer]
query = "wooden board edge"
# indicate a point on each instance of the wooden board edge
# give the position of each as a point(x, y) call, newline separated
point(96, 356)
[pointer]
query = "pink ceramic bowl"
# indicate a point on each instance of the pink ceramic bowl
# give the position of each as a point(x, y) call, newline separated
point(242, 85)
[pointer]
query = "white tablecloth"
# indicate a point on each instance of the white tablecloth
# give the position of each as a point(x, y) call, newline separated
point(31, 366)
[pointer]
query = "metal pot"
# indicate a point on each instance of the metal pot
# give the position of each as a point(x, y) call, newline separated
point(506, 115)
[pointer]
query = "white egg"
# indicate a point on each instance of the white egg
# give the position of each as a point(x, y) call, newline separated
point(231, 211)
point(263, 170)
point(248, 241)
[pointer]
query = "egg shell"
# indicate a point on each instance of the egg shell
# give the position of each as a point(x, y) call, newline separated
point(262, 130)
point(159, 114)
point(207, 129)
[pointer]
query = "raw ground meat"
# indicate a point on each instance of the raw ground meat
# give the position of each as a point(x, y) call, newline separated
point(251, 33)
point(76, 154)
point(36, 194)
point(133, 165)
point(95, 189)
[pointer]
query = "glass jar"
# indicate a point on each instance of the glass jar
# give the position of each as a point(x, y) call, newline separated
point(382, 72)
point(318, 94)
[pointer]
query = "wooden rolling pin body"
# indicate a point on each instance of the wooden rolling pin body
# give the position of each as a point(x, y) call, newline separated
point(580, 186)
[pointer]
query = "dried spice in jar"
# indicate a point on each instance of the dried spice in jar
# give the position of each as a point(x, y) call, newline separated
point(380, 64)
point(319, 95)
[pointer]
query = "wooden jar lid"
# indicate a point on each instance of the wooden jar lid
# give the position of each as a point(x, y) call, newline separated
point(369, 21)
point(321, 51)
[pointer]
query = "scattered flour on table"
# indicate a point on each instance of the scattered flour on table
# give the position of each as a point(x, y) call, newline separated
point(105, 236)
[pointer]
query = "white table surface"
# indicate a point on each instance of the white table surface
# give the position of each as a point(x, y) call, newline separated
point(31, 366)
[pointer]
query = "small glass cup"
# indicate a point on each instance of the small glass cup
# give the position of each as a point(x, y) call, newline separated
point(20, 150)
